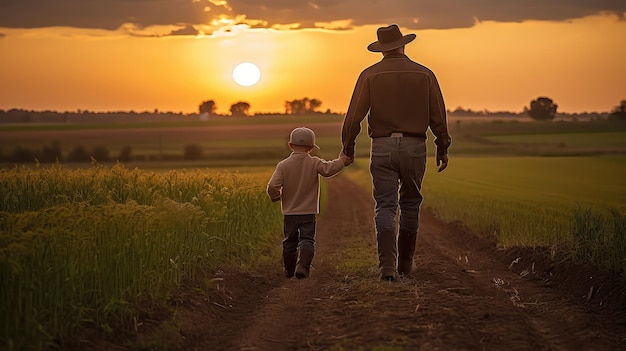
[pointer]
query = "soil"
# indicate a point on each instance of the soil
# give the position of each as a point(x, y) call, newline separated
point(466, 294)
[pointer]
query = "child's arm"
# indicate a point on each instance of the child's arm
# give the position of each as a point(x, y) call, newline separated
point(275, 185)
point(330, 168)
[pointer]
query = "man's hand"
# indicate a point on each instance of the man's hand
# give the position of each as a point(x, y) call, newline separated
point(347, 160)
point(442, 162)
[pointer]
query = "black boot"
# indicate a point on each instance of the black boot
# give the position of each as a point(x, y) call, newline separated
point(303, 267)
point(387, 254)
point(289, 262)
point(406, 250)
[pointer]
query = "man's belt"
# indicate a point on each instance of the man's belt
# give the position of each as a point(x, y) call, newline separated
point(405, 135)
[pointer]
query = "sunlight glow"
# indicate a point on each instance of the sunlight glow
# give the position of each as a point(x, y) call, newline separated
point(246, 74)
point(577, 63)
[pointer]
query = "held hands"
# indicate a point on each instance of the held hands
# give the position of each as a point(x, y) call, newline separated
point(347, 160)
point(442, 162)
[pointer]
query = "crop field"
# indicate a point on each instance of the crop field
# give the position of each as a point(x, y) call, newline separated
point(83, 245)
point(603, 139)
point(85, 248)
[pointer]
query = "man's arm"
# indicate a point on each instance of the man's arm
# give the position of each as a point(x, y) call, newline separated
point(357, 110)
point(437, 120)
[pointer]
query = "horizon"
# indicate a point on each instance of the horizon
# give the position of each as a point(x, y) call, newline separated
point(175, 56)
point(459, 111)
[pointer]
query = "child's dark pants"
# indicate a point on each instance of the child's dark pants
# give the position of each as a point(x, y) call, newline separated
point(299, 236)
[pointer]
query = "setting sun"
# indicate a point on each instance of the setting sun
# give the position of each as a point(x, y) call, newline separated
point(246, 74)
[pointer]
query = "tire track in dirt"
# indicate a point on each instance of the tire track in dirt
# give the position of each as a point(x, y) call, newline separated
point(554, 319)
point(463, 296)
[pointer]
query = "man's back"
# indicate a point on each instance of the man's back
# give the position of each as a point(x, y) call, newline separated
point(399, 93)
point(401, 96)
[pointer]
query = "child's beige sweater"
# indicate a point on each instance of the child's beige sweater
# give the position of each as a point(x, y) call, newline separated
point(296, 182)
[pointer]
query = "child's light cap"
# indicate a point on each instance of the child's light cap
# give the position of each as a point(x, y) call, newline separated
point(303, 136)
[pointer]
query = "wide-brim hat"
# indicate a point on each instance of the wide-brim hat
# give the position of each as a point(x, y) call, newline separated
point(390, 38)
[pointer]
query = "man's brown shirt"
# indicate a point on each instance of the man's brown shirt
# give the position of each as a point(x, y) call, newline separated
point(401, 96)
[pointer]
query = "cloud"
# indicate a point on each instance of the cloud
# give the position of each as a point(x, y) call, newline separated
point(110, 14)
point(159, 31)
point(187, 30)
point(330, 14)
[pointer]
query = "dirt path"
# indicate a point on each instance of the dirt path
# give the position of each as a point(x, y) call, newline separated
point(464, 296)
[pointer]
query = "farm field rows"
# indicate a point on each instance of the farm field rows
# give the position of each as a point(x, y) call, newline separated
point(80, 223)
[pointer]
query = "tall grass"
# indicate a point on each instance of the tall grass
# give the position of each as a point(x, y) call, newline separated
point(84, 247)
point(599, 237)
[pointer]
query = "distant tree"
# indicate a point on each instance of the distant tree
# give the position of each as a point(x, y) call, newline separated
point(240, 109)
point(208, 107)
point(100, 153)
point(193, 152)
point(542, 108)
point(619, 112)
point(125, 154)
point(79, 154)
point(302, 106)
point(295, 107)
point(314, 104)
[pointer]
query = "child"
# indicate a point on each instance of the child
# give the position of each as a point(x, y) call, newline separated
point(295, 183)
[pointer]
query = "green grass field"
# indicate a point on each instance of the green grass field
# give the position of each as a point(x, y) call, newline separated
point(556, 202)
point(602, 139)
point(538, 138)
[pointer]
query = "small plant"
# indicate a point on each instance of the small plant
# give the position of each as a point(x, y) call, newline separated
point(100, 153)
point(79, 154)
point(125, 154)
point(193, 152)
point(52, 153)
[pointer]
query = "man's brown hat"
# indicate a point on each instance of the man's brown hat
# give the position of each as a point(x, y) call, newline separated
point(390, 38)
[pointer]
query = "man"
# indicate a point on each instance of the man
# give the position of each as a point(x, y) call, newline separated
point(402, 100)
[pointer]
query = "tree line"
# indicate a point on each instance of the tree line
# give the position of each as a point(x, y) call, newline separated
point(242, 108)
point(541, 108)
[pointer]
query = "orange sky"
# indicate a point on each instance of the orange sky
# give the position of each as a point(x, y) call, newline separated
point(492, 65)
